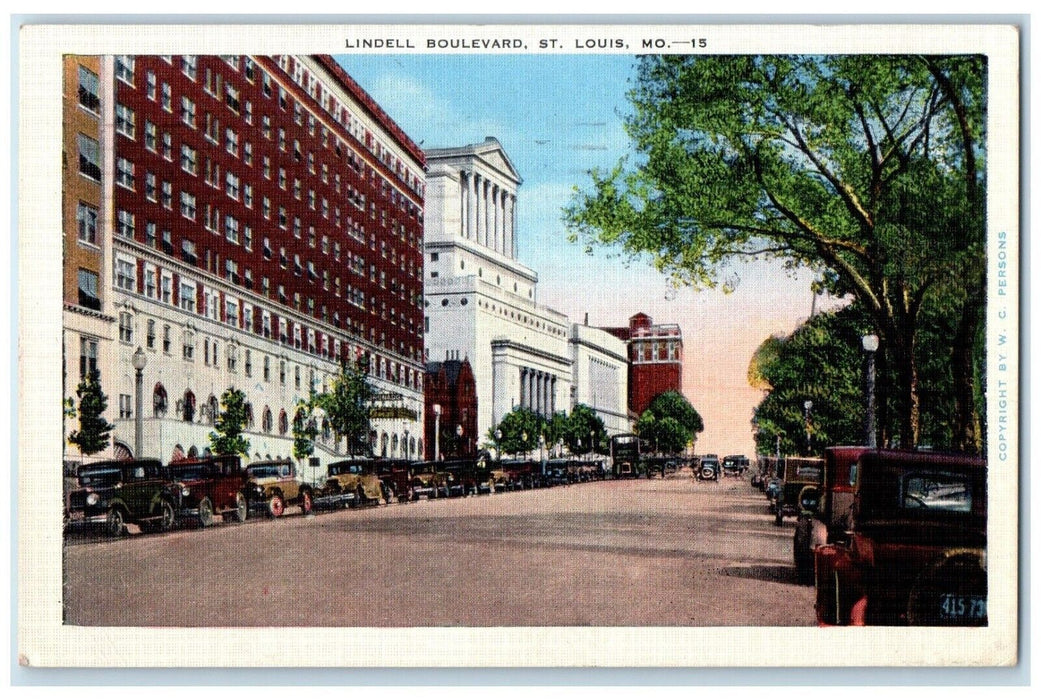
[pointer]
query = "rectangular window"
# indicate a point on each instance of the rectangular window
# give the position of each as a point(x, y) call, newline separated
point(187, 297)
point(167, 97)
point(88, 90)
point(88, 290)
point(247, 237)
point(150, 85)
point(151, 290)
point(231, 142)
point(166, 339)
point(247, 153)
point(188, 206)
point(150, 335)
point(166, 288)
point(150, 187)
point(150, 229)
point(87, 223)
point(125, 406)
point(188, 112)
point(231, 228)
point(189, 159)
point(231, 185)
point(125, 223)
point(88, 356)
point(167, 194)
point(125, 275)
point(125, 173)
point(126, 327)
point(151, 136)
point(189, 66)
point(90, 158)
point(247, 195)
point(167, 146)
point(125, 121)
point(125, 69)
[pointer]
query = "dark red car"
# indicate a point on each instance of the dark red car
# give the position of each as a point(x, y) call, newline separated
point(824, 511)
point(210, 486)
point(916, 548)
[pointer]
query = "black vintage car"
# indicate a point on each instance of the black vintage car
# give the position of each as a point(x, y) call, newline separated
point(116, 492)
point(708, 468)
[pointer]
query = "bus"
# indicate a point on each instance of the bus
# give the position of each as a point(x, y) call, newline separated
point(625, 455)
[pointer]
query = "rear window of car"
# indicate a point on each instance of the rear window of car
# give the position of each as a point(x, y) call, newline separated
point(936, 492)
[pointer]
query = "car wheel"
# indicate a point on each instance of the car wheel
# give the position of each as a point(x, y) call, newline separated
point(241, 511)
point(388, 493)
point(205, 513)
point(115, 523)
point(306, 503)
point(361, 497)
point(276, 506)
point(167, 516)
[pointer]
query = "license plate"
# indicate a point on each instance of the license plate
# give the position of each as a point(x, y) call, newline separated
point(963, 607)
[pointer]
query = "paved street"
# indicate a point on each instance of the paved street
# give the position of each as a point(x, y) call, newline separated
point(642, 553)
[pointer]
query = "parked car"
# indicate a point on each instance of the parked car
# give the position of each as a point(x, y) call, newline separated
point(350, 482)
point(797, 473)
point(273, 485)
point(210, 486)
point(735, 465)
point(824, 511)
point(116, 492)
point(708, 468)
point(915, 552)
point(396, 478)
point(428, 479)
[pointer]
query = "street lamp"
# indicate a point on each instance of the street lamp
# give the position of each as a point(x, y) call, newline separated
point(437, 431)
point(808, 405)
point(498, 438)
point(870, 343)
point(524, 441)
point(459, 440)
point(139, 360)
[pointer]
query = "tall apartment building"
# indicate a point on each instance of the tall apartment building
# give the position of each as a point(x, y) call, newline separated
point(655, 359)
point(259, 220)
point(481, 302)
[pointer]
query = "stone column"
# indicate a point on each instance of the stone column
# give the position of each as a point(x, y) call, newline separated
point(511, 220)
point(463, 186)
point(498, 219)
point(523, 388)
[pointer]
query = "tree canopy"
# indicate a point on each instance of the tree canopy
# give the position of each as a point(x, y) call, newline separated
point(94, 432)
point(669, 423)
point(347, 405)
point(867, 169)
point(228, 439)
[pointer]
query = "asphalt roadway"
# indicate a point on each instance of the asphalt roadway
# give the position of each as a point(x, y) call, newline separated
point(647, 552)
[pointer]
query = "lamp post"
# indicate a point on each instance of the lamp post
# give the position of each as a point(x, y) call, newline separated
point(139, 360)
point(524, 442)
point(459, 440)
point(437, 431)
point(408, 452)
point(498, 438)
point(808, 405)
point(870, 343)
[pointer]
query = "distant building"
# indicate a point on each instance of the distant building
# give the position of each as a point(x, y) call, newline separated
point(655, 359)
point(601, 371)
point(480, 301)
point(451, 409)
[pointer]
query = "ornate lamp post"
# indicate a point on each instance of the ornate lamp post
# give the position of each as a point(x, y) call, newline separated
point(139, 360)
point(437, 431)
point(498, 438)
point(459, 440)
point(870, 343)
point(524, 441)
point(808, 405)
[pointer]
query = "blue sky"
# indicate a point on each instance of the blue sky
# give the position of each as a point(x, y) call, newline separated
point(557, 117)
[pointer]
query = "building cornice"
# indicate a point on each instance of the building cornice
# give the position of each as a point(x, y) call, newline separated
point(507, 344)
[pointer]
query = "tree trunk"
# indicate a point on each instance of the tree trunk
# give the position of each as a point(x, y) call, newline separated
point(967, 429)
point(901, 354)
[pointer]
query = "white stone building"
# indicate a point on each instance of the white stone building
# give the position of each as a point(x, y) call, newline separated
point(601, 367)
point(480, 300)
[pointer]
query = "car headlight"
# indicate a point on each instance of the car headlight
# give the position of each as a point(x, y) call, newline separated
point(185, 491)
point(92, 499)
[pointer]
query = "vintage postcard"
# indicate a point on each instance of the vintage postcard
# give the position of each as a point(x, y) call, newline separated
point(547, 345)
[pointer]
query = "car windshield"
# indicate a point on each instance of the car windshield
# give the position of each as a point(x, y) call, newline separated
point(100, 477)
point(190, 472)
point(264, 472)
point(940, 492)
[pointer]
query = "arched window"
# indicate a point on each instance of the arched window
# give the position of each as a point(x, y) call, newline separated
point(383, 445)
point(214, 409)
point(283, 422)
point(193, 452)
point(188, 406)
point(268, 421)
point(249, 415)
point(159, 400)
point(394, 446)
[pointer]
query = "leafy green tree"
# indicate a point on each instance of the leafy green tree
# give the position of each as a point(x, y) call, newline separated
point(228, 439)
point(669, 423)
point(520, 429)
point(305, 427)
point(347, 405)
point(583, 423)
point(867, 169)
point(820, 362)
point(95, 432)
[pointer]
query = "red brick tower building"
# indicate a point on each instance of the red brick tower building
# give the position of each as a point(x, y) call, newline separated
point(655, 359)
